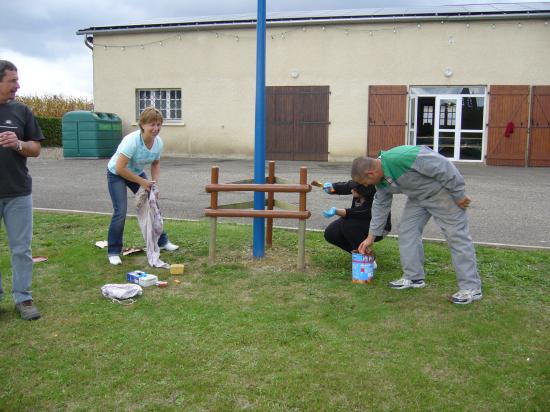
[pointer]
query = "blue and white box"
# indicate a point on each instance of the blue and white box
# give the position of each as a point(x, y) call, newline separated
point(141, 278)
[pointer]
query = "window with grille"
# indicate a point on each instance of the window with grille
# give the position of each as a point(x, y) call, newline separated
point(168, 101)
point(428, 115)
point(447, 114)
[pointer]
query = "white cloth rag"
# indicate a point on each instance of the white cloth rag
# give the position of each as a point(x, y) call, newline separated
point(150, 223)
point(121, 292)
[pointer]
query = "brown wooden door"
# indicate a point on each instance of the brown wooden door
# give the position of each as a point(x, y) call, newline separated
point(507, 104)
point(279, 124)
point(387, 118)
point(539, 141)
point(297, 122)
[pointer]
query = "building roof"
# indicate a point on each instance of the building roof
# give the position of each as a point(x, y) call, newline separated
point(372, 15)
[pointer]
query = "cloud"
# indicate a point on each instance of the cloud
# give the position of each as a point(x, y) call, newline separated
point(40, 36)
point(68, 76)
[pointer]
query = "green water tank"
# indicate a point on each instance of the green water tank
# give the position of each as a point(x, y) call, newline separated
point(90, 134)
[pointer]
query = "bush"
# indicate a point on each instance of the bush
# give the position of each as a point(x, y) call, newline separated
point(49, 109)
point(51, 128)
point(54, 105)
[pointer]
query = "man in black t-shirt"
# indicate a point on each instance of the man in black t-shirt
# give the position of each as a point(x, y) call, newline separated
point(20, 138)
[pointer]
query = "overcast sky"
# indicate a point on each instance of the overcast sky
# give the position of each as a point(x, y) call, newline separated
point(39, 36)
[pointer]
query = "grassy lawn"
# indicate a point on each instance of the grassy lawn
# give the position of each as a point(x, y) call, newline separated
point(258, 335)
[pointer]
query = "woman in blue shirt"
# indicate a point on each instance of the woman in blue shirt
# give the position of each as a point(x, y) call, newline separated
point(125, 169)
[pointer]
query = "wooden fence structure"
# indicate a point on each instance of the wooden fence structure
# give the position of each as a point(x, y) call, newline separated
point(242, 209)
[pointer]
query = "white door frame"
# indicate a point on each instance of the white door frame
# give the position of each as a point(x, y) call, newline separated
point(458, 118)
point(413, 130)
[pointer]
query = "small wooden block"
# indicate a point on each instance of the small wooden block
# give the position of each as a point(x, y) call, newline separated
point(177, 269)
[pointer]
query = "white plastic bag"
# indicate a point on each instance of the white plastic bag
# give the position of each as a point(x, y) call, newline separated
point(121, 292)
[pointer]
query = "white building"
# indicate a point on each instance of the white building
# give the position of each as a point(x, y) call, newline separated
point(471, 81)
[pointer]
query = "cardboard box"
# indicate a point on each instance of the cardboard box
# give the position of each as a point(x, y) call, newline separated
point(141, 278)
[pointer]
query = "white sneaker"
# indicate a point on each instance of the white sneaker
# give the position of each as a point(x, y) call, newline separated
point(170, 247)
point(115, 260)
point(407, 283)
point(466, 296)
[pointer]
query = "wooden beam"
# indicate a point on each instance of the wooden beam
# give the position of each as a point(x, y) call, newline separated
point(274, 214)
point(229, 187)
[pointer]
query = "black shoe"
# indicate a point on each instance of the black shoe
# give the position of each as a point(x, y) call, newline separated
point(27, 310)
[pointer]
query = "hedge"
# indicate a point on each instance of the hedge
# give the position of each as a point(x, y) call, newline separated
point(51, 128)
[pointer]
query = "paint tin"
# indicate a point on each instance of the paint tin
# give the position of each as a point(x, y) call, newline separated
point(362, 267)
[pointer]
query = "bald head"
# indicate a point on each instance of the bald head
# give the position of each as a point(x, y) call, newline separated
point(366, 170)
point(361, 165)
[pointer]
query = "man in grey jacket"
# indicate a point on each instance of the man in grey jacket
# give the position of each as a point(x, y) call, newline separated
point(434, 187)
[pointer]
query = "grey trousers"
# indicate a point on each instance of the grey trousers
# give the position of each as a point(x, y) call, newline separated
point(16, 214)
point(453, 221)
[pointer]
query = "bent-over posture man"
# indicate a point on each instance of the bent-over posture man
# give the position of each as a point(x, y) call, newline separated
point(434, 188)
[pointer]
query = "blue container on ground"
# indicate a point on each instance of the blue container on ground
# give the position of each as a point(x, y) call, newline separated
point(362, 267)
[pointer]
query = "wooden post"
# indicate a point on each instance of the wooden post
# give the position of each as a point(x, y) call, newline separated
point(214, 175)
point(301, 244)
point(212, 241)
point(270, 205)
point(302, 223)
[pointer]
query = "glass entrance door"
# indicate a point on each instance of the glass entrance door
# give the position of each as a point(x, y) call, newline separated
point(446, 120)
point(449, 120)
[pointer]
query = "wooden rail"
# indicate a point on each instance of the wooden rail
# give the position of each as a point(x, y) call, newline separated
point(215, 210)
point(256, 187)
point(272, 214)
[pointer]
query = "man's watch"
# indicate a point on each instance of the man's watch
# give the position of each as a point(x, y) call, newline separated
point(19, 146)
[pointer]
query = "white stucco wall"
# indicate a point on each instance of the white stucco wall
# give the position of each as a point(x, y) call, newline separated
point(216, 73)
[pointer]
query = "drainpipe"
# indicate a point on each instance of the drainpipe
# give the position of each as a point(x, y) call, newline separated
point(89, 42)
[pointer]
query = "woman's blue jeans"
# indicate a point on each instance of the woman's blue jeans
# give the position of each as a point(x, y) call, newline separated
point(117, 189)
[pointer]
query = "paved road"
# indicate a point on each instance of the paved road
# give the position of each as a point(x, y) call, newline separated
point(510, 205)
